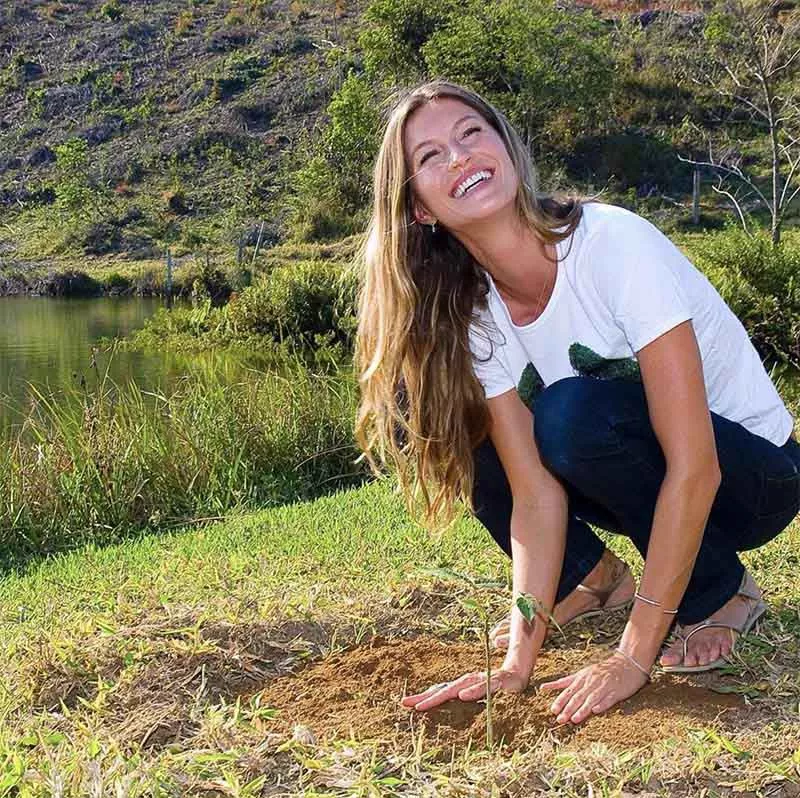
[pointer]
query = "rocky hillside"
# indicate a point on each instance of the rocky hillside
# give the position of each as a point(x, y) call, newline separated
point(185, 108)
point(157, 123)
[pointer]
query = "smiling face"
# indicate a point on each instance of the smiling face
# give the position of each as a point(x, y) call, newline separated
point(460, 169)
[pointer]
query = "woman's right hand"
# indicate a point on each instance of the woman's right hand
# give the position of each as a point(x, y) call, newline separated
point(469, 687)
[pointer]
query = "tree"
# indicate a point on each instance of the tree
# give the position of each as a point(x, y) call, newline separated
point(549, 69)
point(748, 55)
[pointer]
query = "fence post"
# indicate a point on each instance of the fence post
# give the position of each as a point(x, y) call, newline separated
point(169, 278)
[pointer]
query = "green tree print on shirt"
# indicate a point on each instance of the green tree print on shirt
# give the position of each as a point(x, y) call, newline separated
point(587, 363)
point(530, 385)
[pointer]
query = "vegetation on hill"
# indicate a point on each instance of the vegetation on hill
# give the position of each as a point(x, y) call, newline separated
point(128, 127)
point(211, 127)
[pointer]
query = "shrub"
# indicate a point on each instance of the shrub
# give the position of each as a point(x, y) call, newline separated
point(299, 302)
point(75, 194)
point(111, 10)
point(332, 189)
point(238, 72)
point(68, 284)
point(761, 285)
point(116, 283)
point(315, 207)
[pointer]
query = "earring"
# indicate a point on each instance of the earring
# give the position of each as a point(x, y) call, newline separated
point(433, 228)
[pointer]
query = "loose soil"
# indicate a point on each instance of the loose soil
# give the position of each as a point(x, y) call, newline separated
point(356, 694)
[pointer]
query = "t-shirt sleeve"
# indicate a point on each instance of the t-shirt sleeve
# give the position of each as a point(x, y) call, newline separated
point(486, 343)
point(637, 271)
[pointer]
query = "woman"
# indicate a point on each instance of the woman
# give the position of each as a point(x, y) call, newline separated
point(551, 362)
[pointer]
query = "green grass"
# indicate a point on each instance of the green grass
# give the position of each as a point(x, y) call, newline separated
point(97, 643)
point(93, 465)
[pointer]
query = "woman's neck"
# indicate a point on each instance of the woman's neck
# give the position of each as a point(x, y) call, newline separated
point(520, 263)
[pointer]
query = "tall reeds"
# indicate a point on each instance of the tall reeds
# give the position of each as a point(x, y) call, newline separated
point(93, 465)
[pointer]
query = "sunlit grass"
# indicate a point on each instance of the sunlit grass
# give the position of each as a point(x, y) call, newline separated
point(145, 617)
point(91, 465)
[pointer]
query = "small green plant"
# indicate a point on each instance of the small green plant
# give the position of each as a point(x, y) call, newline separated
point(111, 10)
point(35, 99)
point(73, 187)
point(479, 602)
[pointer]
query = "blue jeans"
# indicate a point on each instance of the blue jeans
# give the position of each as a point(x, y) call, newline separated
point(596, 437)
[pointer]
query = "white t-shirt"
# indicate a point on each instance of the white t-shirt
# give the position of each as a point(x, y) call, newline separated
point(621, 284)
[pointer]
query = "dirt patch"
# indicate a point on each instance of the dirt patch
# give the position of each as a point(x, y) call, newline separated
point(357, 693)
point(157, 695)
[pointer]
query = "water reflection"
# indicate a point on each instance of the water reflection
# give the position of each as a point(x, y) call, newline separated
point(49, 342)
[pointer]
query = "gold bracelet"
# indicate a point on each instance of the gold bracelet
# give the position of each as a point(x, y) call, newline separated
point(633, 662)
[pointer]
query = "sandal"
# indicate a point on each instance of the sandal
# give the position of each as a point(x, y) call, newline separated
point(749, 590)
point(603, 595)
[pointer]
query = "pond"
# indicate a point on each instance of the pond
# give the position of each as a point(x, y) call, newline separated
point(52, 343)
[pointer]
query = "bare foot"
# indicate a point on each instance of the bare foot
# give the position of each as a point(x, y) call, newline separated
point(711, 644)
point(608, 570)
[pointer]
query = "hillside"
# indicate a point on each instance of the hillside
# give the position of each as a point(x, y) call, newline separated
point(165, 124)
point(186, 109)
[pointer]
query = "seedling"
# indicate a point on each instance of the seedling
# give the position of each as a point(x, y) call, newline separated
point(527, 604)
point(473, 604)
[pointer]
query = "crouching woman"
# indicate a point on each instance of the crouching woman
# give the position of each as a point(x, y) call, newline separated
point(553, 363)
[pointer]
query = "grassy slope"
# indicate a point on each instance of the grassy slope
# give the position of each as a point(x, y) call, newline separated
point(115, 633)
point(210, 99)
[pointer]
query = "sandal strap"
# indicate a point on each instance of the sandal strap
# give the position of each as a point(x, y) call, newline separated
point(604, 594)
point(748, 588)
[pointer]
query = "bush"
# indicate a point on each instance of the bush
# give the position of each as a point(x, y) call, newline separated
point(315, 209)
point(307, 307)
point(116, 283)
point(299, 302)
point(111, 10)
point(332, 188)
point(68, 284)
point(760, 284)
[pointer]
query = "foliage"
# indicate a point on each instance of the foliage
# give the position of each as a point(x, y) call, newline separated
point(307, 305)
point(92, 465)
point(332, 188)
point(300, 302)
point(395, 32)
point(760, 282)
point(111, 10)
point(512, 51)
point(351, 139)
point(238, 71)
point(75, 194)
point(746, 55)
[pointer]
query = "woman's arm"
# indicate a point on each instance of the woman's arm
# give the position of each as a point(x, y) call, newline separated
point(538, 537)
point(538, 524)
point(676, 398)
point(673, 379)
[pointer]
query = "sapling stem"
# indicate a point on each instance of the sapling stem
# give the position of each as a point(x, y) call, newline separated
point(487, 650)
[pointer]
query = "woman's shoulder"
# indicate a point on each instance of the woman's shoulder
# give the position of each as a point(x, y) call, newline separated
point(602, 216)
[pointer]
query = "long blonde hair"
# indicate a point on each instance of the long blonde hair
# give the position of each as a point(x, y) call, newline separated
point(422, 408)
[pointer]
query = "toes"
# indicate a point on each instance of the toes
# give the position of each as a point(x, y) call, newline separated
point(501, 641)
point(673, 655)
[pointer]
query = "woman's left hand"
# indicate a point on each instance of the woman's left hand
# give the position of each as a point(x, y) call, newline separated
point(595, 689)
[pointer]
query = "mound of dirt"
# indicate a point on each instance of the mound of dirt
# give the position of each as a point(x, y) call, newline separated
point(357, 693)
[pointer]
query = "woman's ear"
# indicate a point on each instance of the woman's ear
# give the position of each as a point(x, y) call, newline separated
point(421, 214)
